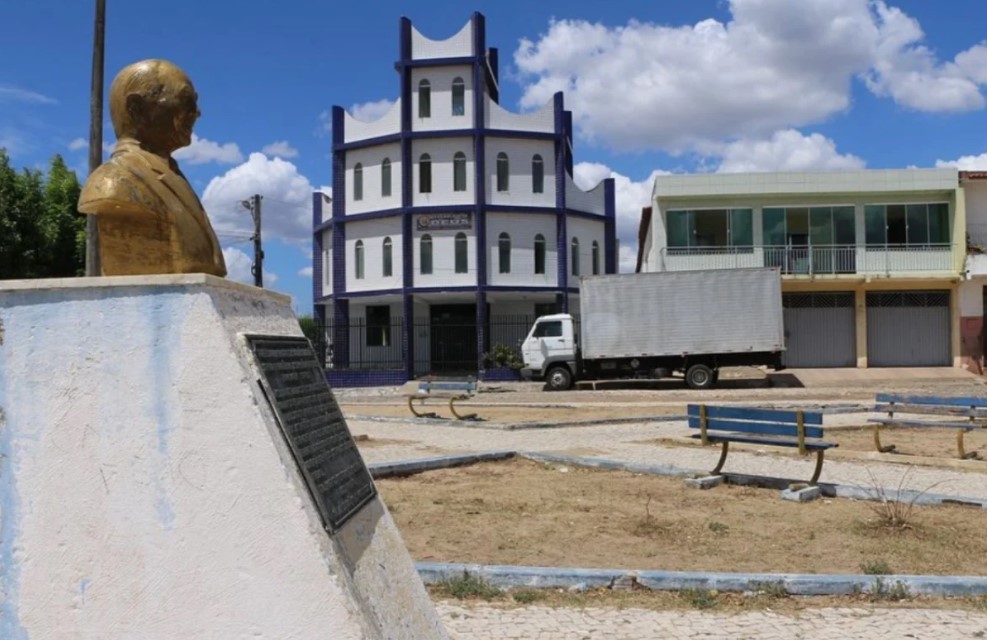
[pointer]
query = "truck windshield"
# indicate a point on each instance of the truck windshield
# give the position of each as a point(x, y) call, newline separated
point(552, 329)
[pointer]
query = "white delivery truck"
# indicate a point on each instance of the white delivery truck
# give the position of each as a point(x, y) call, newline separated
point(651, 325)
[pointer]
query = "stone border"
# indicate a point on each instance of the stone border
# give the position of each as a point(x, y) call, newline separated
point(507, 576)
point(516, 426)
point(411, 467)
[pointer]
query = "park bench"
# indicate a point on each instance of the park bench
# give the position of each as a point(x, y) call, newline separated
point(777, 428)
point(962, 414)
point(455, 389)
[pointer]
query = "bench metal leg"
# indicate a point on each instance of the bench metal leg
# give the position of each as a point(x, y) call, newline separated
point(452, 408)
point(820, 453)
point(877, 441)
point(723, 458)
point(424, 414)
point(973, 455)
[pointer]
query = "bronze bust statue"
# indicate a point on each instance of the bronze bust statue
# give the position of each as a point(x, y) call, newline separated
point(149, 218)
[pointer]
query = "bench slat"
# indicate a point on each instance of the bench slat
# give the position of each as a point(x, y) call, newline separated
point(447, 386)
point(760, 415)
point(766, 428)
point(932, 410)
point(777, 442)
point(933, 400)
point(925, 423)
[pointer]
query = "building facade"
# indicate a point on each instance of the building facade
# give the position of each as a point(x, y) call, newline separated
point(453, 221)
point(873, 262)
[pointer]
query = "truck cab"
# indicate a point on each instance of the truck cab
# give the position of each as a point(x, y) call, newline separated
point(549, 351)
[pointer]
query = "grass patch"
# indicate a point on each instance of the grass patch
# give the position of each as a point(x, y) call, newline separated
point(468, 586)
point(527, 596)
point(699, 598)
point(878, 568)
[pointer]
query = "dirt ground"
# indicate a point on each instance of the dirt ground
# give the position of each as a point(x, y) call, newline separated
point(526, 513)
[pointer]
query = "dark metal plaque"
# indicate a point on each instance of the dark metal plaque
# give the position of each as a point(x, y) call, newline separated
point(313, 426)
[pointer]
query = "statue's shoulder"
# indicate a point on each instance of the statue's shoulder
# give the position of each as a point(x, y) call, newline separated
point(122, 183)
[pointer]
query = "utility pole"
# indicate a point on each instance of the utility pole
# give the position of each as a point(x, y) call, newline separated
point(93, 267)
point(253, 205)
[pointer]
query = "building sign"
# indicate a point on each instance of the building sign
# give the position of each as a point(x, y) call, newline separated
point(443, 221)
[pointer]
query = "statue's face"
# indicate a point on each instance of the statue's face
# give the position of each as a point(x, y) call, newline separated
point(185, 109)
point(166, 116)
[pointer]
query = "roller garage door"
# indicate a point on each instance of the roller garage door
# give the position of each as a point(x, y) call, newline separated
point(819, 329)
point(908, 329)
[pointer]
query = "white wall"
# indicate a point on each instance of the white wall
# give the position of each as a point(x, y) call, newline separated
point(361, 354)
point(441, 117)
point(461, 44)
point(442, 151)
point(971, 294)
point(327, 262)
point(497, 117)
point(387, 124)
point(592, 201)
point(444, 260)
point(976, 210)
point(371, 159)
point(519, 155)
point(522, 228)
point(372, 233)
point(586, 231)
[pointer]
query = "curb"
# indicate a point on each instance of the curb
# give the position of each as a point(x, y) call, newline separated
point(411, 467)
point(516, 426)
point(508, 576)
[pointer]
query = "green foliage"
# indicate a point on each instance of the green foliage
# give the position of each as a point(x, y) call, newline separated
point(699, 598)
point(527, 596)
point(469, 586)
point(885, 591)
point(42, 234)
point(718, 528)
point(503, 355)
point(309, 328)
point(771, 589)
point(877, 568)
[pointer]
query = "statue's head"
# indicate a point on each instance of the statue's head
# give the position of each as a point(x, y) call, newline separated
point(154, 102)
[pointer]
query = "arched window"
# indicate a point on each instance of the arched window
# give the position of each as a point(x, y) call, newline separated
point(537, 175)
point(462, 253)
point(424, 99)
point(459, 171)
point(539, 253)
point(596, 258)
point(358, 259)
point(504, 250)
point(358, 182)
point(458, 97)
point(503, 171)
point(388, 266)
point(385, 178)
point(425, 173)
point(425, 255)
point(575, 256)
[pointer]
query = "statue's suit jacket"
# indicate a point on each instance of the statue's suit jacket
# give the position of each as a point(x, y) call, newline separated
point(149, 218)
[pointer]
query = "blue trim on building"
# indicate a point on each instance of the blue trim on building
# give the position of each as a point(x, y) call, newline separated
point(561, 226)
point(480, 153)
point(610, 227)
point(317, 266)
point(366, 377)
point(407, 199)
point(393, 138)
point(435, 62)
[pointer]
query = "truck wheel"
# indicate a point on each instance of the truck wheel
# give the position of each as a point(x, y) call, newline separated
point(699, 376)
point(558, 379)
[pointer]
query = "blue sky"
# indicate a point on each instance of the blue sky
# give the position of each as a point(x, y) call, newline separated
point(708, 85)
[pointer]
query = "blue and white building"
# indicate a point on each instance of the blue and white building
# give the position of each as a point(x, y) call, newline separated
point(450, 214)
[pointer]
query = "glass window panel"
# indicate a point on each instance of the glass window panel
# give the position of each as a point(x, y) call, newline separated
point(385, 178)
point(596, 258)
point(388, 266)
point(939, 223)
point(797, 227)
point(424, 99)
point(773, 227)
point(425, 174)
point(358, 259)
point(504, 249)
point(459, 171)
point(679, 232)
point(537, 175)
point(844, 226)
point(458, 97)
point(821, 226)
point(897, 225)
point(575, 256)
point(875, 225)
point(358, 182)
point(379, 326)
point(539, 253)
point(503, 171)
point(425, 257)
point(918, 224)
point(462, 255)
point(710, 229)
point(741, 228)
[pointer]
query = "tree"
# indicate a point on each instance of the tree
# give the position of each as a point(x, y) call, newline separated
point(41, 231)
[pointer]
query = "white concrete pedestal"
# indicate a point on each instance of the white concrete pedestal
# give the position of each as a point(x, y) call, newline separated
point(146, 490)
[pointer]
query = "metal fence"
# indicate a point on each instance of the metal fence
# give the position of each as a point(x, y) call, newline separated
point(439, 347)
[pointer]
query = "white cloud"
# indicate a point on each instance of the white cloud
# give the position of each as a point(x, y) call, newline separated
point(787, 150)
point(238, 266)
point(280, 149)
point(286, 207)
point(202, 151)
point(78, 143)
point(370, 111)
point(776, 64)
point(629, 196)
point(966, 163)
point(306, 272)
point(10, 93)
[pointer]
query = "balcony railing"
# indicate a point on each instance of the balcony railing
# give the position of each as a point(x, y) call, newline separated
point(811, 260)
